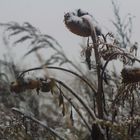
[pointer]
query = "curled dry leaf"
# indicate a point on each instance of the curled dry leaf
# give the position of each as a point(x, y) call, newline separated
point(88, 52)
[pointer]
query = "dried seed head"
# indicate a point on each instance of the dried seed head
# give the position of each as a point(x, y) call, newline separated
point(24, 84)
point(43, 85)
point(75, 22)
point(130, 75)
point(16, 87)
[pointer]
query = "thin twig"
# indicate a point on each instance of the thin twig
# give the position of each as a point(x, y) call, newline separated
point(98, 68)
point(37, 121)
point(62, 69)
point(78, 98)
point(65, 86)
point(76, 109)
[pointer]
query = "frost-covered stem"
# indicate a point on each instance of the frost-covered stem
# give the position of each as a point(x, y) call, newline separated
point(98, 67)
point(78, 98)
point(62, 69)
point(131, 127)
point(37, 121)
point(77, 110)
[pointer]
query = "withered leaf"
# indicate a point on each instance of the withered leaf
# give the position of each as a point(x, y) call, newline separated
point(37, 90)
point(71, 117)
point(61, 100)
point(53, 84)
point(88, 55)
point(63, 110)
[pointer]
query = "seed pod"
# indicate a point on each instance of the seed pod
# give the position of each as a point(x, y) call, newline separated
point(75, 22)
point(130, 75)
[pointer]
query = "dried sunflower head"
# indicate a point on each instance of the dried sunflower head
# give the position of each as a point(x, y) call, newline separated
point(130, 75)
point(75, 22)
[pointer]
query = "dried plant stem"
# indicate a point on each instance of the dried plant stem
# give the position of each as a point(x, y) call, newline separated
point(62, 69)
point(61, 52)
point(98, 67)
point(69, 89)
point(40, 59)
point(37, 121)
point(99, 97)
point(77, 110)
point(93, 116)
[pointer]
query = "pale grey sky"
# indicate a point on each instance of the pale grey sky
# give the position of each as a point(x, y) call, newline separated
point(47, 15)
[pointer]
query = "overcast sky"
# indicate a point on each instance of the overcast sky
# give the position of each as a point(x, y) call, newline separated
point(47, 15)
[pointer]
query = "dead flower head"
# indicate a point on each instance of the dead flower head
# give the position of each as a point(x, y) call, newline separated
point(75, 22)
point(130, 75)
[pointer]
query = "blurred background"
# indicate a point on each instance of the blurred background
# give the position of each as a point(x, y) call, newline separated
point(33, 33)
point(48, 17)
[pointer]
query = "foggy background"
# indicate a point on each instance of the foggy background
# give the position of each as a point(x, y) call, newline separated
point(47, 16)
